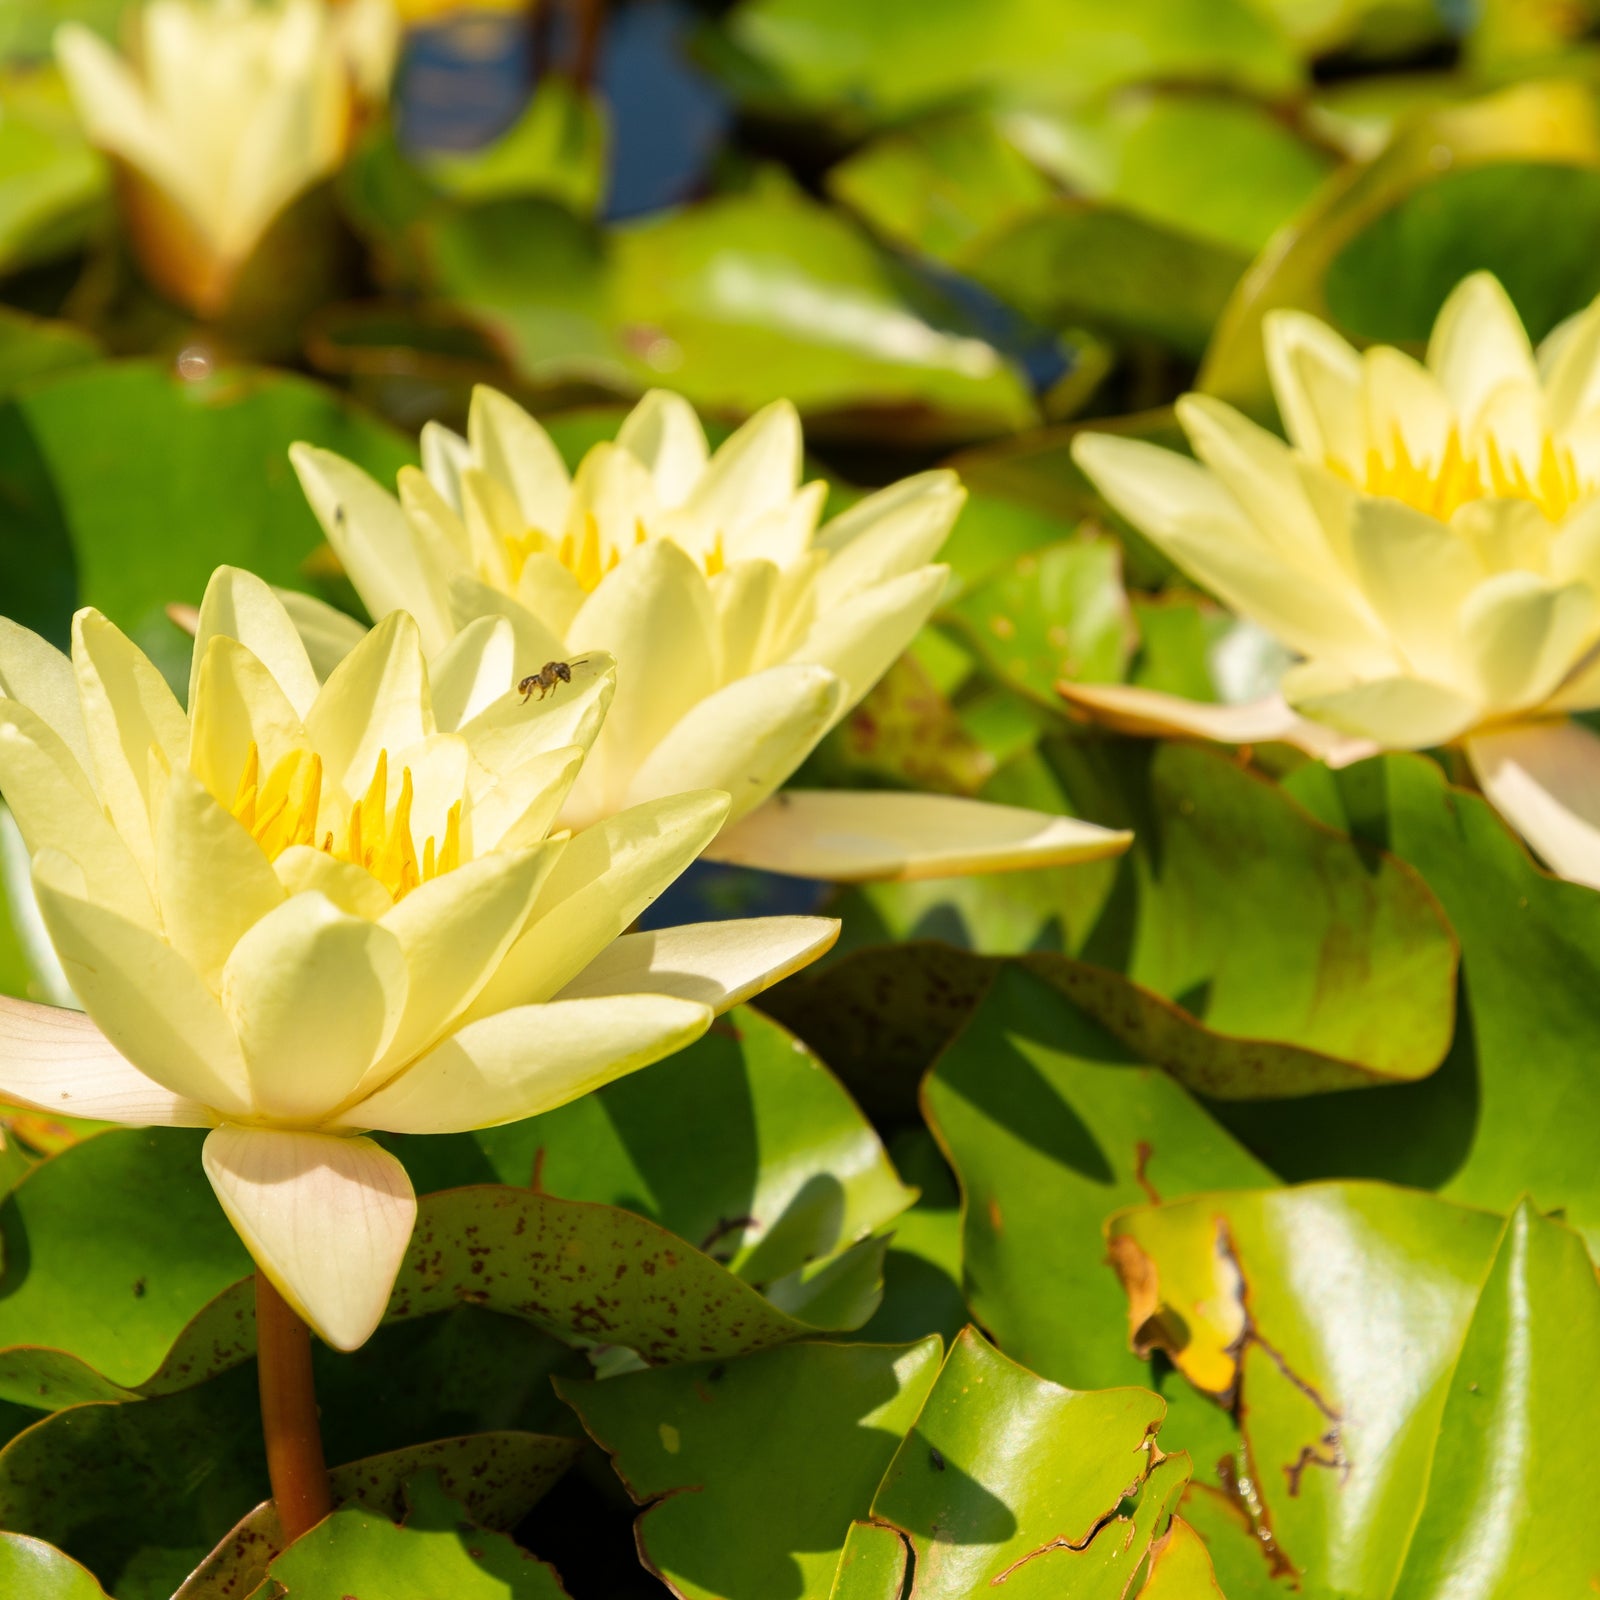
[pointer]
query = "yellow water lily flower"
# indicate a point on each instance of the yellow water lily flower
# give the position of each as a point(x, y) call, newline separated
point(304, 911)
point(743, 632)
point(1427, 541)
point(227, 111)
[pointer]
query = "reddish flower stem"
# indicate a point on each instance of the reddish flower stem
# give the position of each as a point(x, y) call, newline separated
point(289, 1414)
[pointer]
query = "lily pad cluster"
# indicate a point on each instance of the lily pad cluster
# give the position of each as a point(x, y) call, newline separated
point(1215, 1219)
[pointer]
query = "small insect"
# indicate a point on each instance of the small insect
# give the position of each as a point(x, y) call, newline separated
point(547, 677)
point(935, 1459)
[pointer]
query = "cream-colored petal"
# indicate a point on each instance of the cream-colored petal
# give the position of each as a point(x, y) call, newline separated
point(552, 596)
point(755, 470)
point(236, 703)
point(605, 877)
point(128, 710)
point(509, 445)
point(519, 726)
point(315, 995)
point(304, 869)
point(513, 810)
point(56, 808)
point(213, 881)
point(239, 605)
point(59, 1062)
point(534, 1058)
point(1416, 573)
point(1397, 713)
point(1156, 490)
point(894, 531)
point(442, 536)
point(1153, 714)
point(1523, 636)
point(1507, 534)
point(445, 456)
point(376, 699)
point(1569, 359)
point(1478, 344)
point(860, 640)
point(613, 494)
point(1544, 779)
point(33, 671)
point(534, 642)
point(368, 530)
point(149, 1002)
point(453, 932)
point(665, 435)
point(328, 634)
point(1574, 551)
point(745, 739)
point(1262, 475)
point(654, 613)
point(474, 670)
point(879, 835)
point(745, 597)
point(326, 1218)
point(716, 964)
point(1317, 380)
point(1404, 402)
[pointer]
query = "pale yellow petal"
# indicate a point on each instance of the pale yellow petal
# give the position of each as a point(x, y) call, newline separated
point(1396, 713)
point(613, 495)
point(552, 596)
point(1507, 535)
point(845, 837)
point(753, 471)
point(512, 810)
point(128, 711)
point(1523, 636)
point(716, 964)
point(304, 869)
point(523, 724)
point(213, 880)
point(1570, 363)
point(532, 1059)
point(59, 1062)
point(1544, 779)
point(894, 531)
point(148, 1001)
point(327, 1219)
point(445, 456)
point(1479, 344)
point(315, 996)
point(376, 699)
point(1156, 490)
point(239, 605)
point(387, 563)
point(1404, 401)
point(509, 445)
point(1317, 380)
point(474, 670)
point(605, 877)
point(665, 435)
point(237, 703)
point(33, 671)
point(745, 597)
point(328, 634)
point(534, 642)
point(745, 739)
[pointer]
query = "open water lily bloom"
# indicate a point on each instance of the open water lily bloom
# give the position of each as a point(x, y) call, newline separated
point(304, 911)
point(1427, 541)
point(225, 112)
point(742, 630)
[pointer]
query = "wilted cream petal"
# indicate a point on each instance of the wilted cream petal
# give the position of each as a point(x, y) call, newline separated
point(873, 836)
point(213, 880)
point(1270, 721)
point(33, 671)
point(1478, 344)
point(315, 996)
point(1544, 779)
point(1397, 713)
point(1317, 379)
point(59, 1062)
point(327, 1219)
point(127, 710)
point(376, 699)
point(149, 1002)
point(239, 605)
point(604, 879)
point(745, 739)
point(534, 1058)
point(716, 964)
point(375, 543)
point(665, 435)
point(511, 447)
point(1523, 636)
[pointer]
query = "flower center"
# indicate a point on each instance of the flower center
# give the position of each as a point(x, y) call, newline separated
point(589, 556)
point(282, 811)
point(1442, 487)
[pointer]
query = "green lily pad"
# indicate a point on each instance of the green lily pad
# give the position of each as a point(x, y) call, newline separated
point(435, 1551)
point(1051, 1125)
point(33, 347)
point(1180, 1567)
point(1007, 1478)
point(33, 1568)
point(719, 1448)
point(126, 457)
point(52, 185)
point(873, 1564)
